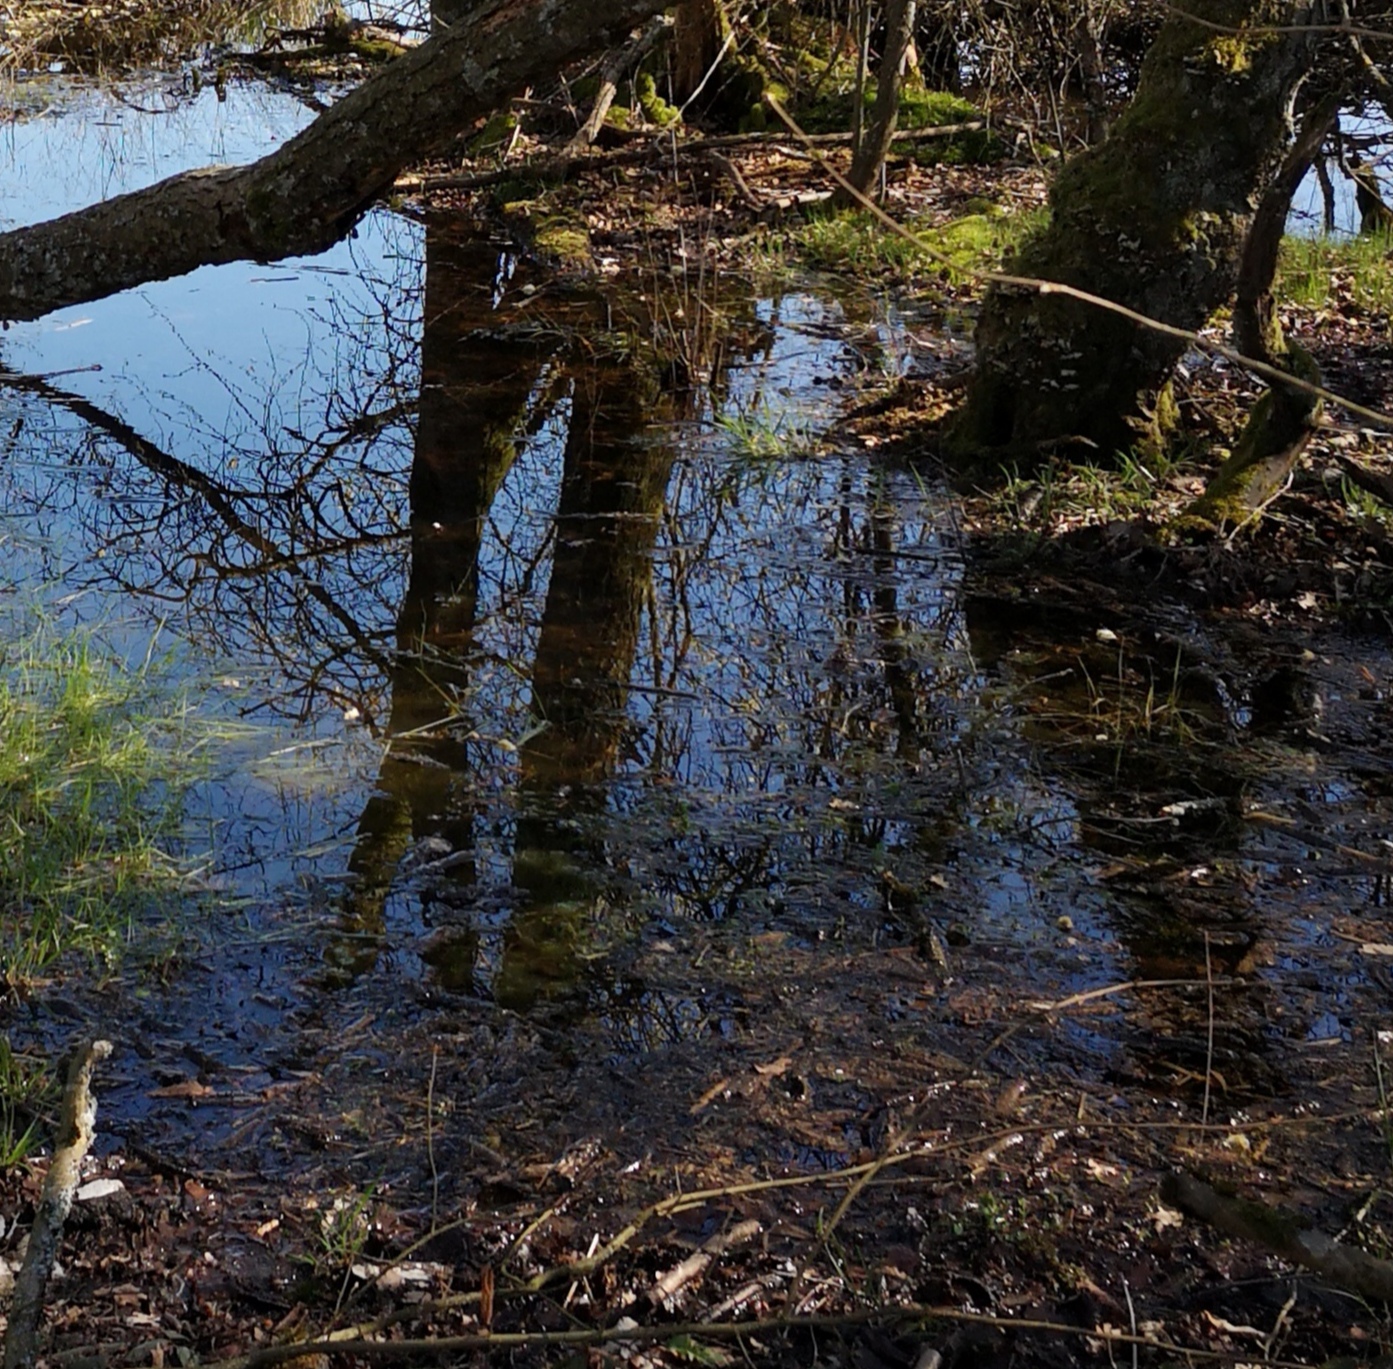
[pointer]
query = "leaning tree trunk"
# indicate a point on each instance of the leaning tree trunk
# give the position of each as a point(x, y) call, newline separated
point(309, 193)
point(875, 143)
point(1281, 423)
point(1155, 219)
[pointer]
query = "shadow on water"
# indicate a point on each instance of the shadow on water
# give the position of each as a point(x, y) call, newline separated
point(555, 660)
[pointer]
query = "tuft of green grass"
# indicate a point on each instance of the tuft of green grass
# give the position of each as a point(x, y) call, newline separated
point(95, 758)
point(983, 240)
point(831, 111)
point(1318, 272)
point(24, 1089)
point(853, 242)
point(1365, 508)
point(759, 437)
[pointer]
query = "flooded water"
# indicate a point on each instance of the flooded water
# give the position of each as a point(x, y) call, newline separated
point(545, 631)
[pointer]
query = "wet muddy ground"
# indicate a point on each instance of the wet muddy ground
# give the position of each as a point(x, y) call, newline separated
point(637, 779)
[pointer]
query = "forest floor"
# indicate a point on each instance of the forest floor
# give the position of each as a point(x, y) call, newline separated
point(911, 1154)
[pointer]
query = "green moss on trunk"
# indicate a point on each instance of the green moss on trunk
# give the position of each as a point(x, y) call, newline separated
point(1155, 219)
point(1276, 434)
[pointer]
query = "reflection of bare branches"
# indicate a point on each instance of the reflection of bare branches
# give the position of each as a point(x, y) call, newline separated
point(218, 498)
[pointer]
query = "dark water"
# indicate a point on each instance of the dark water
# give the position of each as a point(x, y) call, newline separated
point(540, 625)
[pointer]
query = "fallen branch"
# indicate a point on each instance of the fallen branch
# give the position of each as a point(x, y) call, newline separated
point(628, 1335)
point(309, 193)
point(1281, 1232)
point(77, 1127)
point(566, 165)
point(614, 68)
point(668, 1285)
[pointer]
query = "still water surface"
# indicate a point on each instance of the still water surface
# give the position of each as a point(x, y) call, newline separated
point(547, 624)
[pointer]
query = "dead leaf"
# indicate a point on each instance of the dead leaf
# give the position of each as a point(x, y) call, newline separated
point(1166, 1216)
point(188, 1088)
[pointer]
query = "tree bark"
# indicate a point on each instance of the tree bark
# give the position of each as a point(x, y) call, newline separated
point(1280, 426)
point(700, 35)
point(872, 148)
point(1154, 218)
point(308, 194)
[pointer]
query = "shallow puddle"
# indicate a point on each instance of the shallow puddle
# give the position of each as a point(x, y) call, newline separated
point(552, 647)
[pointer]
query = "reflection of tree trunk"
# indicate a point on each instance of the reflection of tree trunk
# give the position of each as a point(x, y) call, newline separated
point(611, 501)
point(309, 193)
point(889, 627)
point(474, 403)
point(612, 497)
point(1280, 426)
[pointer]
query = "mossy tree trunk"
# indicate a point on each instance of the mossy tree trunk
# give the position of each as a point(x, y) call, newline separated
point(1280, 426)
point(1155, 218)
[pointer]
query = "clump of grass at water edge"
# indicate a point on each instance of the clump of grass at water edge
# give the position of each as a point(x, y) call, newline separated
point(1321, 272)
point(96, 757)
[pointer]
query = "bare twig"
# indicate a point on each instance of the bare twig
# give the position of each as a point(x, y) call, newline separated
point(77, 1128)
point(668, 1285)
point(646, 1335)
point(1209, 1043)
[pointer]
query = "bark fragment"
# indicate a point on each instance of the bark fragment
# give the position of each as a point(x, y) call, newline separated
point(77, 1129)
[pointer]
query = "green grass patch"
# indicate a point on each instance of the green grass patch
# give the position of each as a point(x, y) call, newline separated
point(1318, 272)
point(26, 1088)
point(95, 761)
point(982, 240)
point(831, 111)
point(853, 242)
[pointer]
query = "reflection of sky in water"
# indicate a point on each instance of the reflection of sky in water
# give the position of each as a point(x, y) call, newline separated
point(760, 677)
point(106, 147)
point(242, 372)
point(1308, 205)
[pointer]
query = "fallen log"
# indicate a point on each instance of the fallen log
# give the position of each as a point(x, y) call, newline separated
point(309, 193)
point(659, 149)
point(1282, 1233)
